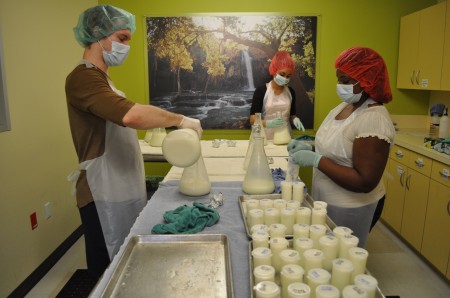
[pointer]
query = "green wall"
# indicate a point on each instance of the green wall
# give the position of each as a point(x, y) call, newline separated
point(341, 24)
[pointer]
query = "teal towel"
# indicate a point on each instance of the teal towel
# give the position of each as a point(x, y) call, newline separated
point(187, 220)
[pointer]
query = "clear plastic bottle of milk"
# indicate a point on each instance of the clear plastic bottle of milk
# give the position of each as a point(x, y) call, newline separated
point(281, 135)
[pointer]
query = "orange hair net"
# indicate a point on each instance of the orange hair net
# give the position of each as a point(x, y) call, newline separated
point(281, 60)
point(368, 67)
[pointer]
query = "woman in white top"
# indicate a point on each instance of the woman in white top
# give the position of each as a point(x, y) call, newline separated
point(352, 144)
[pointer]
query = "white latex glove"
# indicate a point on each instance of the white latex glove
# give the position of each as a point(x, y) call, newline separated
point(191, 123)
point(298, 124)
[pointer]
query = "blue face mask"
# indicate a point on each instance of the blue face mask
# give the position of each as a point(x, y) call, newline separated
point(345, 92)
point(280, 80)
point(117, 55)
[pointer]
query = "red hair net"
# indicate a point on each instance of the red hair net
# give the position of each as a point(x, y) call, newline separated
point(368, 67)
point(281, 60)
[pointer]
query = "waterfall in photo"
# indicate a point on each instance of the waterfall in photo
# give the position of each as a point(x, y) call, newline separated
point(249, 70)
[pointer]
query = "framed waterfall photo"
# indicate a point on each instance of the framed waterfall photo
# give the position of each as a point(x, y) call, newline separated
point(207, 67)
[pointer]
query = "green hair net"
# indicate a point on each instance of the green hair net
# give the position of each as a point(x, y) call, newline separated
point(100, 21)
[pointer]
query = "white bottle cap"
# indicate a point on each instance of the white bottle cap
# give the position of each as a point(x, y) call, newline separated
point(290, 256)
point(352, 291)
point(261, 252)
point(267, 289)
point(319, 276)
point(327, 291)
point(299, 290)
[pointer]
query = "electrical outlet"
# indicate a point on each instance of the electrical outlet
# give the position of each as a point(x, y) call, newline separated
point(33, 220)
point(48, 210)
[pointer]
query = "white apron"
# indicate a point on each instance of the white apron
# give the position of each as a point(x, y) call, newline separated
point(331, 142)
point(272, 104)
point(117, 183)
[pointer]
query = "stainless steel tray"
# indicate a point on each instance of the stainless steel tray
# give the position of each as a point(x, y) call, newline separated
point(173, 266)
point(378, 293)
point(307, 202)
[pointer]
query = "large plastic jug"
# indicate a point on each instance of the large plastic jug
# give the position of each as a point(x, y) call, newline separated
point(181, 147)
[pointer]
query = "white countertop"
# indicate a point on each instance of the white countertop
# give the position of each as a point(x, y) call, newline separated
point(225, 169)
point(240, 150)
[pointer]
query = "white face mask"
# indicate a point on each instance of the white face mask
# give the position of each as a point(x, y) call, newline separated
point(280, 80)
point(345, 92)
point(117, 55)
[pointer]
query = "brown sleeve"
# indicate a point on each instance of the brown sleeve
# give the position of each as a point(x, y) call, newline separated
point(88, 90)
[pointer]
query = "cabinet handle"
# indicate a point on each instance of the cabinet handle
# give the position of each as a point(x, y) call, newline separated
point(411, 77)
point(448, 207)
point(408, 181)
point(417, 76)
point(401, 179)
point(419, 163)
point(399, 154)
point(444, 174)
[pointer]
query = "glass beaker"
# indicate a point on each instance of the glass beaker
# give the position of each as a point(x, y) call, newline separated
point(281, 135)
point(194, 181)
point(258, 121)
point(256, 131)
point(258, 179)
point(158, 136)
point(148, 136)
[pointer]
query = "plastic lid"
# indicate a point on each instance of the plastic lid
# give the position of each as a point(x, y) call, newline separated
point(290, 255)
point(352, 291)
point(264, 271)
point(304, 242)
point(292, 270)
point(277, 227)
point(313, 254)
point(278, 242)
point(365, 280)
point(261, 252)
point(327, 291)
point(319, 275)
point(358, 253)
point(299, 289)
point(267, 289)
point(259, 227)
point(260, 235)
point(343, 265)
point(339, 231)
point(328, 240)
